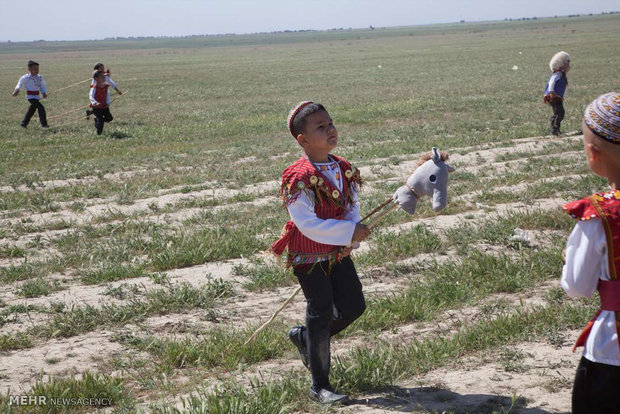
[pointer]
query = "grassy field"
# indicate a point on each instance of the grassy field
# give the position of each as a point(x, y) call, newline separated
point(132, 264)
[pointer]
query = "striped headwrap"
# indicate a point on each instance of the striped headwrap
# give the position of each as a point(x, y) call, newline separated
point(293, 113)
point(602, 116)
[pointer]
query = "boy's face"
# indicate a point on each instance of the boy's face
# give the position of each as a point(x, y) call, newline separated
point(34, 69)
point(320, 134)
point(100, 79)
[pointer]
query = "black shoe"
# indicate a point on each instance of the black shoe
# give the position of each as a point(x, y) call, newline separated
point(328, 396)
point(296, 335)
point(23, 125)
point(45, 126)
point(555, 132)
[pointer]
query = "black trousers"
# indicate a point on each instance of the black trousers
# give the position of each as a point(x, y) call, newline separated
point(334, 300)
point(595, 388)
point(102, 115)
point(34, 106)
point(558, 113)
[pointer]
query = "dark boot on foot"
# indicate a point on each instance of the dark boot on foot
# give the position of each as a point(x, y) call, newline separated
point(296, 335)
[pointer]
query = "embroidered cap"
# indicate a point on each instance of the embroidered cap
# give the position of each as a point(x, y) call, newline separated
point(293, 113)
point(602, 116)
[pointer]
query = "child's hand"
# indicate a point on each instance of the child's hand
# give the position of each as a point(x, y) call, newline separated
point(15, 92)
point(361, 232)
point(119, 92)
point(552, 95)
point(44, 95)
point(564, 255)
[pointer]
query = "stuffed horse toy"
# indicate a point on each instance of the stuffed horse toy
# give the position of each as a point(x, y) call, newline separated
point(430, 178)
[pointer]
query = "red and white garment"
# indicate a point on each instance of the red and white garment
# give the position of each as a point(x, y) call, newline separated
point(33, 84)
point(321, 199)
point(589, 261)
point(99, 96)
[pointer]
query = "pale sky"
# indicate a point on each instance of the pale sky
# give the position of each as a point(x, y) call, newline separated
point(25, 20)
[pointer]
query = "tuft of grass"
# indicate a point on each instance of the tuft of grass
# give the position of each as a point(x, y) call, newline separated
point(387, 246)
point(262, 276)
point(37, 287)
point(101, 390)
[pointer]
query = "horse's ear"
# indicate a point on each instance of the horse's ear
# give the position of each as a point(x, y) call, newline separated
point(436, 157)
point(450, 168)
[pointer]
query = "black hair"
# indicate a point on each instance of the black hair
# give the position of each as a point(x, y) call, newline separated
point(299, 122)
point(32, 63)
point(98, 65)
point(97, 73)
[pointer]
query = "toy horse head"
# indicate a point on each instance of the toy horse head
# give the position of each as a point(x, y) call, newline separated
point(430, 178)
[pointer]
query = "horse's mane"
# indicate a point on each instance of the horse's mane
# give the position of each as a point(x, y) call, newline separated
point(443, 155)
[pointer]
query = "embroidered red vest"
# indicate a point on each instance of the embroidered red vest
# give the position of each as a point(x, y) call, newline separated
point(101, 95)
point(329, 203)
point(605, 207)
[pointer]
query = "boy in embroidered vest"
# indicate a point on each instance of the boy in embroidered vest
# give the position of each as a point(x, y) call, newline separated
point(107, 79)
point(100, 101)
point(35, 88)
point(556, 87)
point(593, 261)
point(320, 192)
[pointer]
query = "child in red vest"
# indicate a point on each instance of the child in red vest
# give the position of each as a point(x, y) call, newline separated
point(320, 193)
point(35, 89)
point(593, 261)
point(100, 101)
point(107, 79)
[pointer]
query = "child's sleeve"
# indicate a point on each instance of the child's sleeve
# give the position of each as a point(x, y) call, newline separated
point(110, 81)
point(553, 79)
point(43, 85)
point(20, 83)
point(326, 231)
point(91, 96)
point(586, 251)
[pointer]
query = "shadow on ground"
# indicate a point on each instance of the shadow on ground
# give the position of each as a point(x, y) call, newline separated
point(435, 399)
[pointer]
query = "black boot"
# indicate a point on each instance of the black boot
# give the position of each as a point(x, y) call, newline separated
point(296, 335)
point(327, 395)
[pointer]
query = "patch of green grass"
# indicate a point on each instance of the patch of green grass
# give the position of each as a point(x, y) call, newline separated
point(111, 273)
point(34, 288)
point(219, 347)
point(387, 246)
point(263, 276)
point(443, 286)
point(66, 323)
point(8, 251)
point(101, 390)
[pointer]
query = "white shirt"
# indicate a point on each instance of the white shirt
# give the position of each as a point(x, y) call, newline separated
point(326, 231)
point(586, 263)
point(108, 80)
point(32, 83)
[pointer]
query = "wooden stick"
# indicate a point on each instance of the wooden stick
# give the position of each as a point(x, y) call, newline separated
point(263, 326)
point(290, 299)
point(385, 203)
point(383, 214)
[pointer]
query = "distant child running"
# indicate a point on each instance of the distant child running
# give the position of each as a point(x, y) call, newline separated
point(556, 88)
point(108, 80)
point(35, 89)
point(593, 261)
point(100, 101)
point(320, 192)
